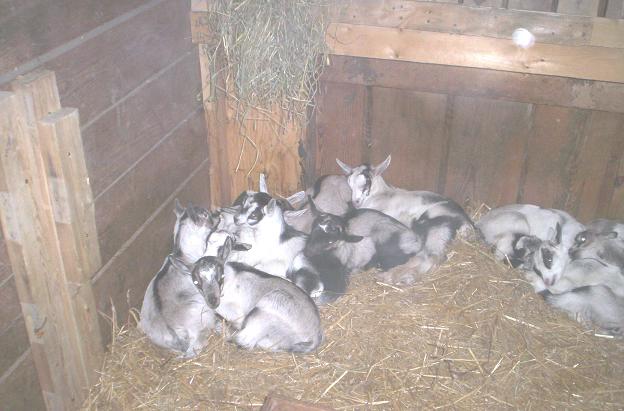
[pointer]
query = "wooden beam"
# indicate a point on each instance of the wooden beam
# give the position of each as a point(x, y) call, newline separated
point(549, 28)
point(472, 82)
point(38, 216)
point(479, 52)
point(581, 7)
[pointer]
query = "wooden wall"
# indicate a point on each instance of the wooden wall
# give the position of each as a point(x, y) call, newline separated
point(474, 134)
point(131, 70)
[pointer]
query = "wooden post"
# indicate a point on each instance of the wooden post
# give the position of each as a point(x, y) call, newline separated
point(47, 220)
point(266, 142)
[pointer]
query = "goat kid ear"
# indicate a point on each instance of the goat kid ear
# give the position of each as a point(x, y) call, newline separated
point(225, 249)
point(380, 168)
point(295, 213)
point(178, 210)
point(178, 264)
point(297, 198)
point(241, 246)
point(347, 169)
point(262, 184)
point(270, 208)
point(349, 238)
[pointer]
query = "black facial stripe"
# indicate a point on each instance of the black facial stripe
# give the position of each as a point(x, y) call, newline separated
point(538, 272)
point(547, 257)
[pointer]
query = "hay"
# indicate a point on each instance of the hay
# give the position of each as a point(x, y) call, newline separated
point(472, 334)
point(268, 52)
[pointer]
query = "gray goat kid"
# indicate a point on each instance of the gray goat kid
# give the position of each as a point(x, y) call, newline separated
point(174, 315)
point(597, 260)
point(362, 238)
point(596, 305)
point(516, 231)
point(267, 312)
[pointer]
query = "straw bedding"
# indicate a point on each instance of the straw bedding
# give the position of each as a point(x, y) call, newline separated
point(471, 334)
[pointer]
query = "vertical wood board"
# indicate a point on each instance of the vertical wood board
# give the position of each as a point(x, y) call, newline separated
point(410, 126)
point(341, 126)
point(487, 144)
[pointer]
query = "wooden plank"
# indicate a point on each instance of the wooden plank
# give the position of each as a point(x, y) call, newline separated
point(119, 137)
point(267, 141)
point(14, 341)
point(20, 389)
point(29, 231)
point(473, 82)
point(551, 156)
point(125, 277)
point(487, 22)
point(534, 5)
point(615, 9)
point(101, 72)
point(341, 126)
point(410, 126)
point(214, 102)
point(488, 139)
point(481, 52)
point(594, 175)
point(72, 206)
point(271, 137)
point(616, 205)
point(32, 31)
point(142, 189)
point(581, 7)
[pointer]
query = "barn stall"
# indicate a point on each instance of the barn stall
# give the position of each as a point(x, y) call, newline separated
point(440, 86)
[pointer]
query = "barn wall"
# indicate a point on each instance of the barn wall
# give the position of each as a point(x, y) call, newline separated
point(131, 70)
point(476, 135)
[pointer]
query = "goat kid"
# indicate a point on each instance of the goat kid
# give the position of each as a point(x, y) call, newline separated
point(532, 238)
point(361, 238)
point(369, 190)
point(174, 315)
point(267, 312)
point(591, 305)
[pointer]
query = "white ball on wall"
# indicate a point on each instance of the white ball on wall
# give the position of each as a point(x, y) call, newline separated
point(523, 38)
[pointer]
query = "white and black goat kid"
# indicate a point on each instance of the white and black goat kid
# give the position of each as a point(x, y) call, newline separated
point(266, 312)
point(369, 190)
point(596, 260)
point(250, 204)
point(535, 239)
point(361, 238)
point(174, 315)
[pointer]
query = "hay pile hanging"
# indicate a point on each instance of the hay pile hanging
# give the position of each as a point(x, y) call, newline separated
point(472, 334)
point(268, 52)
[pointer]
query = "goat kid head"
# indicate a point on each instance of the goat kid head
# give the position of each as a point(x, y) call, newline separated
point(208, 274)
point(602, 246)
point(361, 178)
point(251, 204)
point(328, 231)
point(546, 258)
point(192, 228)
